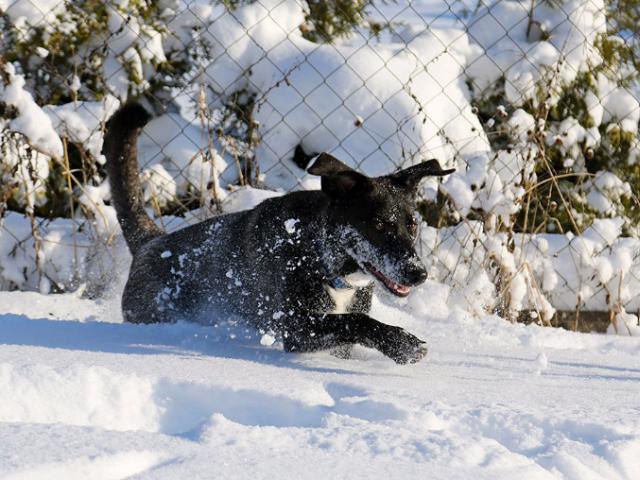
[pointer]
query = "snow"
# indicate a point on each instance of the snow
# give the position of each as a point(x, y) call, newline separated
point(179, 147)
point(31, 121)
point(59, 260)
point(245, 198)
point(83, 122)
point(27, 13)
point(103, 467)
point(85, 396)
point(75, 84)
point(604, 189)
point(524, 59)
point(290, 225)
point(267, 340)
point(522, 124)
point(620, 105)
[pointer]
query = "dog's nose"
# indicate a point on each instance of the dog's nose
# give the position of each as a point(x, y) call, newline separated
point(416, 275)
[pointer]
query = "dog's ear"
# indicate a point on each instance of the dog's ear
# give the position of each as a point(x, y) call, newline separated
point(343, 184)
point(325, 164)
point(410, 177)
point(338, 179)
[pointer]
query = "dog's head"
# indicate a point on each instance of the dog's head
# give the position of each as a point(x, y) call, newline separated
point(376, 218)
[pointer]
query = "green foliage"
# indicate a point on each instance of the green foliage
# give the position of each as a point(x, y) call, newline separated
point(624, 19)
point(572, 102)
point(620, 59)
point(327, 20)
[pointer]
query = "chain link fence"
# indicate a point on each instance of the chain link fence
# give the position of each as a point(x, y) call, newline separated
point(535, 103)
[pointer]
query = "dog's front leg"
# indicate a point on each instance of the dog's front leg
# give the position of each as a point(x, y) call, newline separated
point(319, 332)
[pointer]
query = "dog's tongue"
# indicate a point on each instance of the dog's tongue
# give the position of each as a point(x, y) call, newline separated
point(401, 289)
point(396, 288)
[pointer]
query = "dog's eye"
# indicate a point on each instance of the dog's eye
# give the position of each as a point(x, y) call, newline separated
point(379, 226)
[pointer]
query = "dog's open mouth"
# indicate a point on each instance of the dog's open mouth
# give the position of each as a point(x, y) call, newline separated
point(393, 287)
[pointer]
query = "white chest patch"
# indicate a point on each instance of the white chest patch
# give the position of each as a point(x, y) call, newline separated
point(343, 297)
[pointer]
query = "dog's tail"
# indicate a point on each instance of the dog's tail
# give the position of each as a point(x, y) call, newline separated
point(122, 167)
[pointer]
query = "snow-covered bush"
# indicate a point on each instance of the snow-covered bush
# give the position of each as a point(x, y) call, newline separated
point(86, 49)
point(572, 88)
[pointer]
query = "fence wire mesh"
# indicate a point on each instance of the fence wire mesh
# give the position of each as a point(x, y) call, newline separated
point(535, 103)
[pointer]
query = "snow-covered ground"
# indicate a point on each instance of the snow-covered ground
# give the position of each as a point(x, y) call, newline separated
point(84, 396)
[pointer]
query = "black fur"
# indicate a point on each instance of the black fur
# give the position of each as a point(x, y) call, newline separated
point(283, 265)
point(126, 192)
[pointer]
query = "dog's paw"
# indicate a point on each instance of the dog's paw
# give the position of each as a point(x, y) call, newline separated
point(403, 347)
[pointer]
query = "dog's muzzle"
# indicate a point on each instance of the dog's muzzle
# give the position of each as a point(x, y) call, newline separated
point(414, 275)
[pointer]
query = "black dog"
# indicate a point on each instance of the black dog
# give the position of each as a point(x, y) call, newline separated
point(287, 265)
